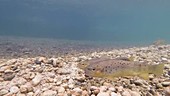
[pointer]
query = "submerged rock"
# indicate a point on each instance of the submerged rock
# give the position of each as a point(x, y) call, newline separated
point(14, 89)
point(3, 92)
point(49, 93)
point(37, 79)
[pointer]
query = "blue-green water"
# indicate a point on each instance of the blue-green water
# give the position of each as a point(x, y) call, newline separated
point(129, 21)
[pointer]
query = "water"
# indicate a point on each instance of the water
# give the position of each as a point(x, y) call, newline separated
point(115, 21)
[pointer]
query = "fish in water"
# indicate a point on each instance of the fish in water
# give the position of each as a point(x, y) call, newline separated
point(111, 68)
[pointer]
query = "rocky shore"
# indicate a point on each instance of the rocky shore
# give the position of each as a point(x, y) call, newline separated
point(60, 76)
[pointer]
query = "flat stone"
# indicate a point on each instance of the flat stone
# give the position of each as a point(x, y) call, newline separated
point(30, 94)
point(8, 76)
point(134, 93)
point(49, 93)
point(103, 89)
point(18, 81)
point(103, 94)
point(37, 79)
point(113, 94)
point(165, 84)
point(138, 82)
point(61, 90)
point(126, 93)
point(14, 89)
point(3, 92)
point(21, 95)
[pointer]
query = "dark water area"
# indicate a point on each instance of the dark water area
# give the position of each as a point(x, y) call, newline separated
point(114, 23)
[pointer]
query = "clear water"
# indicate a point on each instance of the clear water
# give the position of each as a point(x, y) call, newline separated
point(127, 21)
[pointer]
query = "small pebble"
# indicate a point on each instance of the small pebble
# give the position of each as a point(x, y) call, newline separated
point(14, 89)
point(165, 84)
point(3, 92)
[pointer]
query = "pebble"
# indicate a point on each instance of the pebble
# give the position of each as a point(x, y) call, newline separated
point(138, 82)
point(8, 76)
point(18, 81)
point(63, 71)
point(134, 93)
point(103, 88)
point(23, 89)
point(85, 93)
point(165, 84)
point(61, 90)
point(112, 89)
point(113, 94)
point(3, 92)
point(30, 94)
point(159, 85)
point(103, 94)
point(21, 95)
point(37, 79)
point(14, 89)
point(126, 93)
point(49, 93)
point(96, 91)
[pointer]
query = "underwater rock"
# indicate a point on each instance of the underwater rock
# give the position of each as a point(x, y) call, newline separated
point(3, 92)
point(8, 76)
point(165, 84)
point(14, 89)
point(49, 93)
point(37, 79)
point(103, 94)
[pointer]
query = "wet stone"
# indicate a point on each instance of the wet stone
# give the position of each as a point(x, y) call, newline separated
point(49, 93)
point(165, 84)
point(14, 89)
point(3, 92)
point(8, 76)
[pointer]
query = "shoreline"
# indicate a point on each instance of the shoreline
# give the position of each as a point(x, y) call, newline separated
point(60, 76)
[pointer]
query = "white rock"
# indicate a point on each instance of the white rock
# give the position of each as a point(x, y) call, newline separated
point(103, 94)
point(77, 90)
point(21, 95)
point(61, 90)
point(164, 59)
point(113, 94)
point(165, 83)
point(71, 86)
point(93, 87)
point(49, 93)
point(37, 79)
point(126, 93)
point(112, 89)
point(134, 93)
point(30, 94)
point(14, 89)
point(103, 89)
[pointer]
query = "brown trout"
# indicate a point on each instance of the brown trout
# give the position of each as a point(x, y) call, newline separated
point(111, 68)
